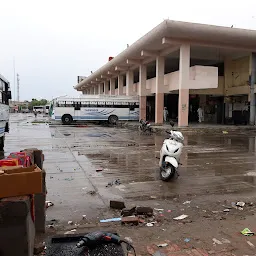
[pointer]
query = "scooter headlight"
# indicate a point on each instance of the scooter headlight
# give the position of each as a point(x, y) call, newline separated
point(176, 150)
point(167, 148)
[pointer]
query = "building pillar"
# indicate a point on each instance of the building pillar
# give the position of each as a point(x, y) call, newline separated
point(91, 90)
point(120, 85)
point(112, 86)
point(159, 114)
point(252, 93)
point(105, 85)
point(142, 91)
point(100, 89)
point(129, 82)
point(84, 92)
point(183, 85)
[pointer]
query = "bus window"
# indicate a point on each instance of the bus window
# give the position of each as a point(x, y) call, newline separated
point(132, 106)
point(77, 105)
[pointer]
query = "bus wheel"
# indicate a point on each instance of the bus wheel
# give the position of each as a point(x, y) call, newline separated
point(67, 119)
point(113, 119)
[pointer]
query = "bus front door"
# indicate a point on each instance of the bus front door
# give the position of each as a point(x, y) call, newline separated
point(131, 112)
point(77, 110)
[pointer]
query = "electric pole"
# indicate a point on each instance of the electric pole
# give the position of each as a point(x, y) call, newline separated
point(18, 87)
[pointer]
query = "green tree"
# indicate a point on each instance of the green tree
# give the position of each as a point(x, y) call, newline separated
point(35, 102)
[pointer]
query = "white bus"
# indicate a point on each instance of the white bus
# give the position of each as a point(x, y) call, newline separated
point(95, 108)
point(38, 109)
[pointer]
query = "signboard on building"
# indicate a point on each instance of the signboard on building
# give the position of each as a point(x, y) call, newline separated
point(80, 78)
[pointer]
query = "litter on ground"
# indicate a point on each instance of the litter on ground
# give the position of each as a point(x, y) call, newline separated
point(181, 217)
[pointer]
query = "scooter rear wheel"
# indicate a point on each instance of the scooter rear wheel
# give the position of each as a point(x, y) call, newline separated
point(167, 173)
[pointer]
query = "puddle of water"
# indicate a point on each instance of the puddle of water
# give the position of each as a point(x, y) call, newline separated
point(252, 174)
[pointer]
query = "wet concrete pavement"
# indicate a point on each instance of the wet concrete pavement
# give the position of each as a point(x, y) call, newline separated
point(212, 164)
point(217, 169)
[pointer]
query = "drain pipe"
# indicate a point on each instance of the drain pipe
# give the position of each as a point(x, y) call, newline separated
point(252, 94)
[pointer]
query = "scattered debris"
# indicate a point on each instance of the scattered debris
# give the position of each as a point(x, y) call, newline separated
point(240, 204)
point(111, 220)
point(48, 204)
point(92, 192)
point(84, 217)
point(128, 212)
point(70, 222)
point(215, 211)
point(99, 169)
point(130, 220)
point(225, 241)
point(247, 232)
point(140, 210)
point(216, 241)
point(117, 205)
point(150, 224)
point(225, 132)
point(69, 179)
point(226, 210)
point(159, 210)
point(66, 134)
point(251, 244)
point(153, 197)
point(71, 232)
point(116, 182)
point(187, 202)
point(169, 211)
point(39, 248)
point(233, 204)
point(181, 217)
point(162, 245)
point(50, 226)
point(186, 240)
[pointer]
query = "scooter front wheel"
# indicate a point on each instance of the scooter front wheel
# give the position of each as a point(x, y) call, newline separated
point(167, 173)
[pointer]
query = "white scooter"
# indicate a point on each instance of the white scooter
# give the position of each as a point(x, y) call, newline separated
point(170, 155)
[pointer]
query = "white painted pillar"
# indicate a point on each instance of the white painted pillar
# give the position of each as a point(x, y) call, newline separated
point(142, 80)
point(106, 87)
point(91, 90)
point(129, 82)
point(112, 86)
point(183, 85)
point(120, 85)
point(142, 91)
point(159, 111)
point(100, 89)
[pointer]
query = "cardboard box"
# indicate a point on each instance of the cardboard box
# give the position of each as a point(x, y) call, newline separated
point(19, 181)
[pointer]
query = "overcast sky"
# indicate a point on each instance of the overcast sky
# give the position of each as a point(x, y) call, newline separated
point(54, 41)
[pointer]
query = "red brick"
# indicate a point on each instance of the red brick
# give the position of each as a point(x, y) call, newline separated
point(172, 248)
point(130, 220)
point(178, 254)
point(202, 251)
point(198, 253)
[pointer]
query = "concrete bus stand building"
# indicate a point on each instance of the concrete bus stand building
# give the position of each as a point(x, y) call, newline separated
point(182, 66)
